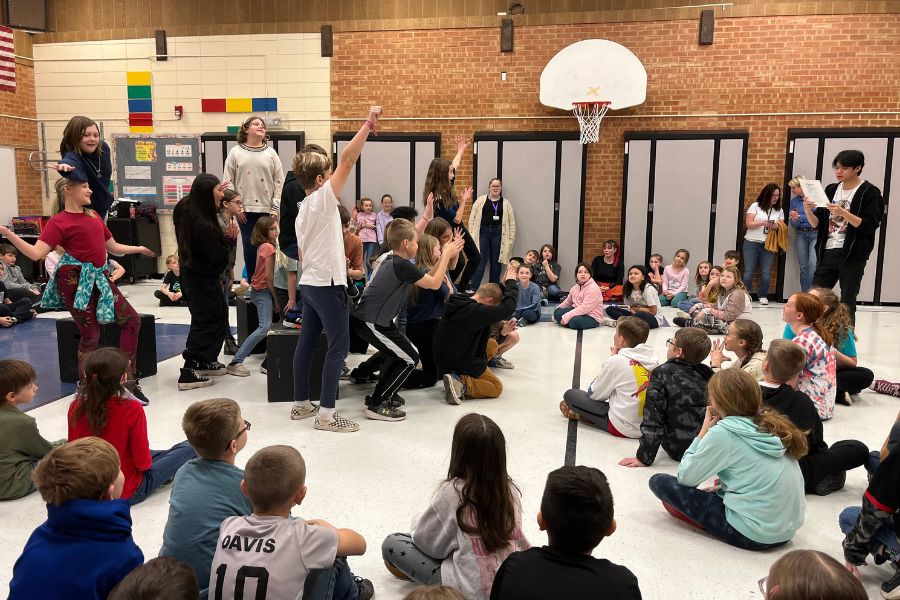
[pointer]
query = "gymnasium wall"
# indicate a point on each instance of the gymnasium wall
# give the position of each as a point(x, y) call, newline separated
point(757, 66)
point(18, 130)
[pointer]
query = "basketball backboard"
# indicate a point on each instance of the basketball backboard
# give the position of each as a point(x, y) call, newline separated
point(591, 71)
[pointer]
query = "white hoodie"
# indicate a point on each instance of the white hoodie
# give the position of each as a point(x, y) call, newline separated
point(623, 383)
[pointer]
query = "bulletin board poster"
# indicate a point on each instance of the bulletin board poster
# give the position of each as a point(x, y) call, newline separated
point(155, 169)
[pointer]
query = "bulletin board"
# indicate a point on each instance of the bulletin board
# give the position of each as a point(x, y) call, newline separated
point(155, 169)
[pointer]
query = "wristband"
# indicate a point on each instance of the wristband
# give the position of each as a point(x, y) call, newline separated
point(371, 126)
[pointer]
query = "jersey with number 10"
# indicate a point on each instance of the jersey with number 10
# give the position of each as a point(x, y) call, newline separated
point(268, 557)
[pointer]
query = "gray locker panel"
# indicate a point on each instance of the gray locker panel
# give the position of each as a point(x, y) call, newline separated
point(425, 153)
point(890, 226)
point(287, 150)
point(569, 211)
point(806, 161)
point(348, 194)
point(215, 158)
point(682, 198)
point(487, 166)
point(385, 170)
point(875, 150)
point(528, 182)
point(806, 157)
point(636, 202)
point(728, 200)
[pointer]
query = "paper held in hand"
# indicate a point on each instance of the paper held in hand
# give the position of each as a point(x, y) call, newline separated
point(812, 189)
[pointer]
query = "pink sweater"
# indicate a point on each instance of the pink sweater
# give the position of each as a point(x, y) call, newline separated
point(367, 233)
point(675, 282)
point(586, 299)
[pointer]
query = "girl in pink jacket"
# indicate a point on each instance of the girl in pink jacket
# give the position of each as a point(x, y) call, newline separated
point(583, 307)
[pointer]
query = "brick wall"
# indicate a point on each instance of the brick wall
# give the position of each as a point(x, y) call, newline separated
point(22, 135)
point(795, 64)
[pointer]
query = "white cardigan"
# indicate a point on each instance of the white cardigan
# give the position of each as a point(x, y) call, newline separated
point(507, 227)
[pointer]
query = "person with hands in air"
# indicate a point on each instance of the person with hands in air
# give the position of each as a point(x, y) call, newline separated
point(753, 450)
point(85, 157)
point(81, 283)
point(676, 399)
point(323, 282)
point(463, 344)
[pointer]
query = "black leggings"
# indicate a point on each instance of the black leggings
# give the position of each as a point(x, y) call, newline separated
point(473, 257)
point(422, 336)
point(614, 312)
point(853, 380)
point(840, 456)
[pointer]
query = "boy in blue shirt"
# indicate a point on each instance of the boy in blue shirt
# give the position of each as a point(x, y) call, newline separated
point(84, 548)
point(206, 490)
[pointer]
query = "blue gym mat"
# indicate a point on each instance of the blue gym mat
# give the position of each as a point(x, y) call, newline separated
point(35, 342)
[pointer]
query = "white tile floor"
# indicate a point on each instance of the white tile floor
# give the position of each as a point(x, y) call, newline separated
point(375, 480)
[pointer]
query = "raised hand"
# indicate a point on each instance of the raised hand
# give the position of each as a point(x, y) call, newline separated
point(461, 142)
point(510, 272)
point(453, 248)
point(374, 114)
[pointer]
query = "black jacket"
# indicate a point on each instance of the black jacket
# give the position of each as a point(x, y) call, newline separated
point(291, 197)
point(202, 247)
point(674, 409)
point(868, 205)
point(462, 335)
point(797, 407)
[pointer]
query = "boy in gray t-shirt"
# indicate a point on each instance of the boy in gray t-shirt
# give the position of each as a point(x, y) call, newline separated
point(373, 319)
point(270, 554)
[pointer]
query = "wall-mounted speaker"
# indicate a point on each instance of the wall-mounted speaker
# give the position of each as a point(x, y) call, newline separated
point(707, 27)
point(327, 42)
point(30, 15)
point(506, 35)
point(162, 48)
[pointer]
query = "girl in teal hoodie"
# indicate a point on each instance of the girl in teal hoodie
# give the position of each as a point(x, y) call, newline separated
point(758, 502)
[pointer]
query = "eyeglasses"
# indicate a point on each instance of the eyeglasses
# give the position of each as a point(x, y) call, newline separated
point(671, 342)
point(238, 202)
point(244, 429)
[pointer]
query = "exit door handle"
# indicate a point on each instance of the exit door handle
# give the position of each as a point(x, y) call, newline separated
point(556, 206)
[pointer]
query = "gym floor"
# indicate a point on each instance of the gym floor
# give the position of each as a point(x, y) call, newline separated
point(377, 479)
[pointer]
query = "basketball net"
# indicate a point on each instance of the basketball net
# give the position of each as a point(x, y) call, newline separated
point(589, 115)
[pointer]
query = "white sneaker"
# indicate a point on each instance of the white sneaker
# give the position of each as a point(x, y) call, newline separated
point(337, 423)
point(237, 369)
point(454, 389)
point(300, 412)
point(764, 301)
point(608, 322)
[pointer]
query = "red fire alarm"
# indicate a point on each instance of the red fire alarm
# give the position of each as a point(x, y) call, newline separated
point(179, 112)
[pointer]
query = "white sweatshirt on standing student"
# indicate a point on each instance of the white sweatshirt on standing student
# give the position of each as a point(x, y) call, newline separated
point(623, 384)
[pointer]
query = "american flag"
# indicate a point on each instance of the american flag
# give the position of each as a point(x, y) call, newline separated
point(7, 60)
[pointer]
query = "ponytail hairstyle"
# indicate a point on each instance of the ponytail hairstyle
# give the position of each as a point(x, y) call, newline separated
point(424, 261)
point(59, 204)
point(736, 394)
point(478, 468)
point(813, 309)
point(836, 319)
point(103, 372)
point(437, 182)
point(699, 281)
point(749, 332)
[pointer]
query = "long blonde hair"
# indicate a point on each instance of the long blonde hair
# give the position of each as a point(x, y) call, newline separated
point(836, 319)
point(736, 394)
point(424, 261)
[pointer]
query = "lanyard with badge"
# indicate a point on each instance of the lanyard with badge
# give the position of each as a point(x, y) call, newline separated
point(496, 206)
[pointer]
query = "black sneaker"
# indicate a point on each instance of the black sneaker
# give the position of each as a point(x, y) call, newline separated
point(890, 589)
point(231, 346)
point(365, 589)
point(358, 377)
point(682, 322)
point(190, 380)
point(370, 402)
point(397, 400)
point(214, 368)
point(264, 367)
point(137, 392)
point(345, 373)
point(831, 483)
point(385, 411)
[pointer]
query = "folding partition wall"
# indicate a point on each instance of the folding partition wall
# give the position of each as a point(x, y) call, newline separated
point(810, 153)
point(392, 163)
point(682, 190)
point(543, 177)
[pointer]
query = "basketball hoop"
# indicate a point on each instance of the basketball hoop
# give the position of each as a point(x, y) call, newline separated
point(589, 115)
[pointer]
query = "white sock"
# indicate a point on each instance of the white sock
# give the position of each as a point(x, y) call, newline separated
point(326, 413)
point(303, 404)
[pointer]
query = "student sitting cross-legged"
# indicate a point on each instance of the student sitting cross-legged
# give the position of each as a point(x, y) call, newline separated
point(289, 557)
point(207, 489)
point(528, 307)
point(84, 548)
point(577, 513)
point(758, 502)
point(463, 344)
point(583, 307)
point(615, 399)
point(676, 399)
point(824, 469)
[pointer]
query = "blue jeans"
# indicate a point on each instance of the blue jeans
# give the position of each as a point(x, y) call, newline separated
point(753, 253)
point(553, 292)
point(262, 300)
point(531, 315)
point(579, 322)
point(165, 464)
point(324, 309)
point(334, 583)
point(246, 240)
point(885, 535)
point(686, 305)
point(806, 256)
point(705, 509)
point(489, 246)
point(369, 250)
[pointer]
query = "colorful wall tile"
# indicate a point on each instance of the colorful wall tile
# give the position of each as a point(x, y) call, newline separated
point(239, 105)
point(140, 102)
